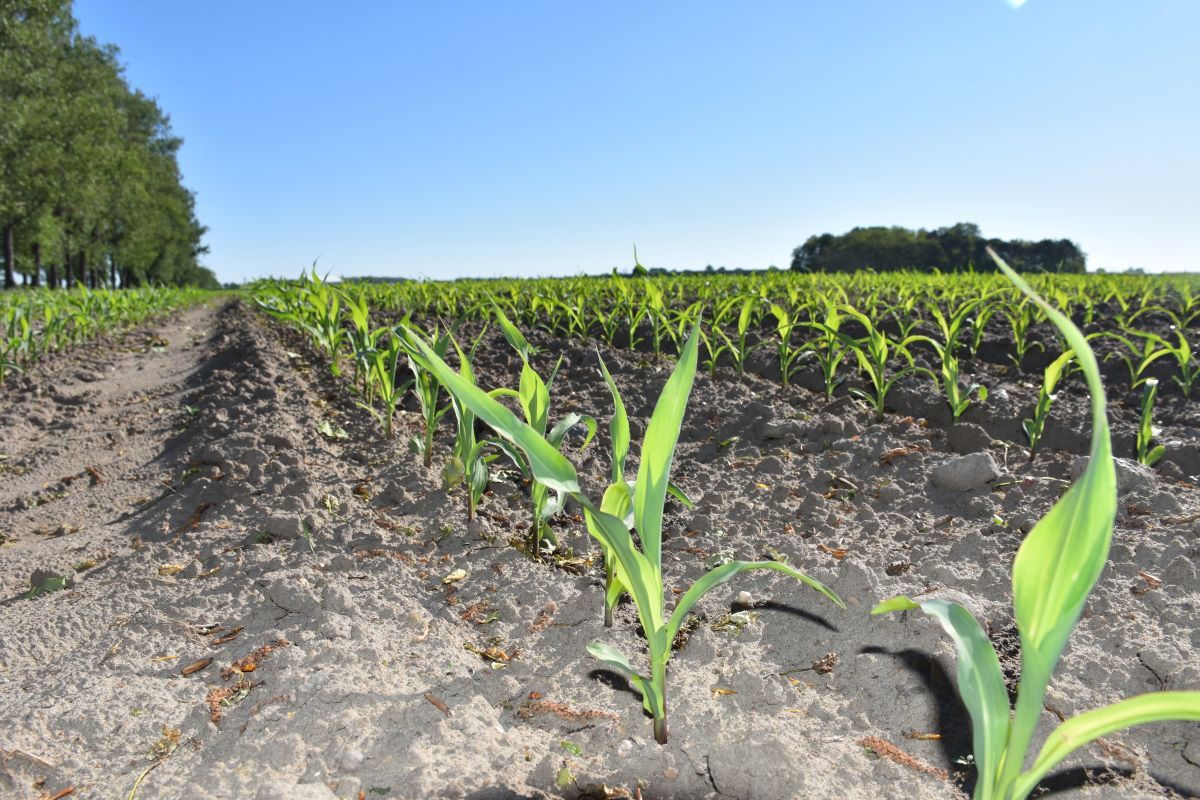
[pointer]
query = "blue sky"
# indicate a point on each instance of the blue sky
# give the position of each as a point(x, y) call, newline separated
point(444, 139)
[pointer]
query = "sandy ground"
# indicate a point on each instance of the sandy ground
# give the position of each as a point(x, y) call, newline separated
point(178, 478)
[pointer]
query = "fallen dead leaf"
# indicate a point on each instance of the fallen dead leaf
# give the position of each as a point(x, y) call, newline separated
point(228, 637)
point(196, 666)
point(438, 703)
point(837, 552)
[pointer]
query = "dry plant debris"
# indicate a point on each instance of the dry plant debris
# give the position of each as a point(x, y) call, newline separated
point(885, 749)
point(222, 697)
point(250, 662)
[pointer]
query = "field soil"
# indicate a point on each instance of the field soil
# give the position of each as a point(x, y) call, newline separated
point(266, 599)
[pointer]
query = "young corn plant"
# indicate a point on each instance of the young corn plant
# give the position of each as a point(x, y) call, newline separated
point(958, 396)
point(738, 348)
point(1055, 569)
point(1022, 316)
point(533, 395)
point(619, 494)
point(787, 353)
point(1149, 453)
point(362, 341)
point(427, 387)
point(873, 351)
point(829, 348)
point(1137, 359)
point(639, 570)
point(1187, 366)
point(380, 379)
point(1055, 371)
point(469, 462)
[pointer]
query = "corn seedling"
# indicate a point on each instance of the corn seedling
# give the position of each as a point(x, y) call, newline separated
point(1137, 359)
point(533, 395)
point(362, 342)
point(873, 351)
point(1021, 318)
point(468, 462)
point(787, 353)
point(1147, 452)
point(380, 379)
point(638, 570)
point(1187, 366)
point(617, 499)
point(426, 387)
point(718, 342)
point(829, 348)
point(958, 396)
point(1055, 569)
point(953, 325)
point(1055, 371)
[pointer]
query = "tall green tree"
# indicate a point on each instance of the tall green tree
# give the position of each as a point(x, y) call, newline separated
point(91, 181)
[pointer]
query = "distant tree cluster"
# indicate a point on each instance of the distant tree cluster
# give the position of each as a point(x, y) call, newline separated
point(958, 247)
point(90, 188)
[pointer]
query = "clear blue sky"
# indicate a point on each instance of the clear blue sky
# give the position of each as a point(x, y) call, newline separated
point(441, 139)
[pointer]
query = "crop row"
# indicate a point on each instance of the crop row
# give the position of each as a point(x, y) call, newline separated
point(854, 333)
point(1054, 572)
point(39, 322)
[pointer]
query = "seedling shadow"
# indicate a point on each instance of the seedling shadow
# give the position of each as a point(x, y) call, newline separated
point(951, 720)
point(1067, 780)
point(804, 614)
point(615, 681)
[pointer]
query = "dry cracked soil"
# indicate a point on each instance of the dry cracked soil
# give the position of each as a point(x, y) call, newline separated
point(265, 599)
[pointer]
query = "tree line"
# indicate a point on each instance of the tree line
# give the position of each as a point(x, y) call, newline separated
point(90, 189)
point(958, 247)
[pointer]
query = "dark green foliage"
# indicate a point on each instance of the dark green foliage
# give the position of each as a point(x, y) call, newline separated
point(92, 193)
point(957, 247)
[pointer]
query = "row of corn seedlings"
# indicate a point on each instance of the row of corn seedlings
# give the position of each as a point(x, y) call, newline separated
point(35, 323)
point(858, 333)
point(1055, 570)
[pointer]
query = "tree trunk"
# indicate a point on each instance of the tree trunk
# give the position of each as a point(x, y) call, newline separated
point(112, 272)
point(52, 275)
point(37, 264)
point(68, 276)
point(10, 278)
point(126, 278)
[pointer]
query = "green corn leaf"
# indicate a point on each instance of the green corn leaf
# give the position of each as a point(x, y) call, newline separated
point(658, 451)
point(1054, 371)
point(1155, 455)
point(512, 333)
point(559, 431)
point(745, 316)
point(980, 681)
point(547, 464)
point(898, 603)
point(1091, 725)
point(680, 495)
point(612, 657)
point(535, 399)
point(618, 428)
point(1060, 560)
point(641, 578)
point(726, 571)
